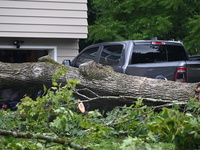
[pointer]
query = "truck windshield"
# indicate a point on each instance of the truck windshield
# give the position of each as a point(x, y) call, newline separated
point(157, 53)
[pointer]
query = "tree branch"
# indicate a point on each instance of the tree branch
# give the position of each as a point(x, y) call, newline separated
point(27, 135)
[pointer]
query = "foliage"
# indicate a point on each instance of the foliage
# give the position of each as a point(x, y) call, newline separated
point(175, 127)
point(53, 122)
point(114, 20)
point(131, 143)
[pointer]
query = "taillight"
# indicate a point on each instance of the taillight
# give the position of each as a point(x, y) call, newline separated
point(158, 43)
point(180, 75)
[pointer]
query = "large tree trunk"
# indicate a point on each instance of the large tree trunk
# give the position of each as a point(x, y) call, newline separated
point(98, 83)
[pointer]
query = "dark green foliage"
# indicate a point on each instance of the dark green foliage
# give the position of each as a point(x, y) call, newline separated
point(114, 20)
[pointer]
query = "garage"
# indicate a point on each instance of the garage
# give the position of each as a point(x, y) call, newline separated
point(20, 56)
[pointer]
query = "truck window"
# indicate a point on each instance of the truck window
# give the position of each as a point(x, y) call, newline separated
point(87, 55)
point(176, 53)
point(111, 54)
point(157, 53)
point(148, 54)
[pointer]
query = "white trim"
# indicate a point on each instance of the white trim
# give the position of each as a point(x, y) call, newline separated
point(52, 50)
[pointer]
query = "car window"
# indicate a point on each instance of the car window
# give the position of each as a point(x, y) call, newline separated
point(148, 54)
point(87, 55)
point(176, 53)
point(111, 54)
point(157, 53)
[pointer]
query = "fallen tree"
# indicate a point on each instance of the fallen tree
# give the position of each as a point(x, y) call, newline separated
point(100, 85)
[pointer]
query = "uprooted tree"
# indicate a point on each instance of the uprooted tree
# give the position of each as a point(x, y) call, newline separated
point(100, 85)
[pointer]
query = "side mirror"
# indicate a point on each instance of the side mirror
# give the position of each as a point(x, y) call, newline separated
point(66, 62)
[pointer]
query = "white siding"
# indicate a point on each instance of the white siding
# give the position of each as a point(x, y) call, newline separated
point(43, 18)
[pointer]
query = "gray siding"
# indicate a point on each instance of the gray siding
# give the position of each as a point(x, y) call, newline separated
point(43, 18)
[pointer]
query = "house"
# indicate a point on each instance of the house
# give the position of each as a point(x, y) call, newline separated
point(30, 29)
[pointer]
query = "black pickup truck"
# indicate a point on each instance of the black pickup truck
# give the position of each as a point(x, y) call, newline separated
point(147, 58)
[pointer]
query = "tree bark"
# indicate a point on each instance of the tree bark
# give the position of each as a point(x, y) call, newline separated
point(98, 83)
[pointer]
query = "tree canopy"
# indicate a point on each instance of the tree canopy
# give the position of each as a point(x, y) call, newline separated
point(113, 20)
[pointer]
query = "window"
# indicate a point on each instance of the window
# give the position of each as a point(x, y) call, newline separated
point(87, 55)
point(148, 54)
point(176, 53)
point(111, 54)
point(157, 53)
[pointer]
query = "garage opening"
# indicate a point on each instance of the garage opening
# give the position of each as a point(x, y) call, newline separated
point(20, 56)
point(9, 54)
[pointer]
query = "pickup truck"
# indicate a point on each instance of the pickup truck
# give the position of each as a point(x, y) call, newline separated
point(146, 58)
